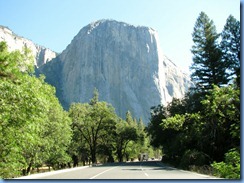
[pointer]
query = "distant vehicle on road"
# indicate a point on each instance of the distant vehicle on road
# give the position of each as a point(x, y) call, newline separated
point(143, 157)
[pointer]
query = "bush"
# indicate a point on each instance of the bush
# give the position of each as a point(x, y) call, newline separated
point(205, 169)
point(193, 157)
point(230, 168)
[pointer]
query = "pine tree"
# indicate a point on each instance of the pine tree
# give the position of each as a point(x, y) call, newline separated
point(129, 119)
point(95, 97)
point(231, 47)
point(207, 67)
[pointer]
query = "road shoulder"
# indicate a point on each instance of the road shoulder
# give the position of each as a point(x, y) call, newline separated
point(40, 175)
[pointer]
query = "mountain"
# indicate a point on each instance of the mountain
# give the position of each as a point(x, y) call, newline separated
point(41, 54)
point(124, 62)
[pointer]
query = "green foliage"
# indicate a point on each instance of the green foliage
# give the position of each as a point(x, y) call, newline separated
point(230, 167)
point(158, 113)
point(125, 133)
point(207, 68)
point(222, 121)
point(93, 122)
point(99, 132)
point(33, 124)
point(231, 47)
point(211, 132)
point(175, 122)
point(13, 64)
point(95, 97)
point(203, 126)
point(193, 157)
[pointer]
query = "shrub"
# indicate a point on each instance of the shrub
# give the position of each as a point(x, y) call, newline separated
point(193, 157)
point(230, 168)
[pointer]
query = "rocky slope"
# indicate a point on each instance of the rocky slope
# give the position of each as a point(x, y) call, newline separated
point(15, 42)
point(123, 62)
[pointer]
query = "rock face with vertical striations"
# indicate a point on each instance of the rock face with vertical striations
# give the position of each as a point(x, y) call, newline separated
point(41, 54)
point(123, 62)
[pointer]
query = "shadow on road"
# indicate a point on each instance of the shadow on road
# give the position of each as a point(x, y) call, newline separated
point(139, 165)
point(142, 169)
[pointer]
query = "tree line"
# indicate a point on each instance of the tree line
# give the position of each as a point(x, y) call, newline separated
point(202, 130)
point(34, 127)
point(99, 133)
point(35, 130)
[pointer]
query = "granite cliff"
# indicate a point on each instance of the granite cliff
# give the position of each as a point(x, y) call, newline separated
point(41, 54)
point(124, 62)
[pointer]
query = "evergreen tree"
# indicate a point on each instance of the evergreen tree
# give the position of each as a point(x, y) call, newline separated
point(207, 68)
point(129, 119)
point(231, 47)
point(95, 97)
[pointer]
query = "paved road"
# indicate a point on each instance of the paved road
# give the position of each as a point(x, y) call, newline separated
point(129, 170)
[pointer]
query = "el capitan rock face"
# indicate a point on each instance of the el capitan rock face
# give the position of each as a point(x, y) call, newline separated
point(122, 61)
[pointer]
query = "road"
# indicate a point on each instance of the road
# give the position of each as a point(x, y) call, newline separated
point(128, 170)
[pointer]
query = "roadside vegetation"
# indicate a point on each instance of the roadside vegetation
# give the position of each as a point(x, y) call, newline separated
point(36, 133)
point(201, 132)
point(34, 127)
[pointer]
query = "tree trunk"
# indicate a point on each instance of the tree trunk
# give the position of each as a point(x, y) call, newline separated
point(28, 169)
point(120, 155)
point(93, 155)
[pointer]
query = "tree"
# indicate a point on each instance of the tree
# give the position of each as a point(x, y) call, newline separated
point(204, 127)
point(231, 47)
point(129, 119)
point(140, 144)
point(29, 111)
point(231, 167)
point(208, 67)
point(57, 132)
point(94, 121)
point(221, 130)
point(158, 113)
point(124, 134)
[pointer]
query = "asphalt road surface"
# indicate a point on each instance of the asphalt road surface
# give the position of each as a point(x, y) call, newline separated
point(128, 170)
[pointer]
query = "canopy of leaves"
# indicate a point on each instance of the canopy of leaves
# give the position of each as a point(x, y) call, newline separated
point(204, 127)
point(34, 128)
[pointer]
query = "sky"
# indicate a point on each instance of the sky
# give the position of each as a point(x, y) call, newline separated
point(54, 23)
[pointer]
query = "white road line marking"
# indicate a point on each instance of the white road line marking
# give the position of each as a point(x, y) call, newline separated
point(41, 175)
point(143, 170)
point(102, 173)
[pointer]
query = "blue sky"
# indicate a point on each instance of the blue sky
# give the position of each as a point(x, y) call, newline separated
point(54, 23)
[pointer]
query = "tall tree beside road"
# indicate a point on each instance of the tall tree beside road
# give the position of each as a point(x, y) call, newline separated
point(203, 129)
point(124, 134)
point(94, 121)
point(231, 47)
point(208, 67)
point(31, 117)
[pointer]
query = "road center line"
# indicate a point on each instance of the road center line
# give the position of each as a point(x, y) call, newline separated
point(143, 170)
point(102, 173)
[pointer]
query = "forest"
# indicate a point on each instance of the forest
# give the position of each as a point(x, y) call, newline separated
point(202, 130)
point(36, 130)
point(199, 132)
